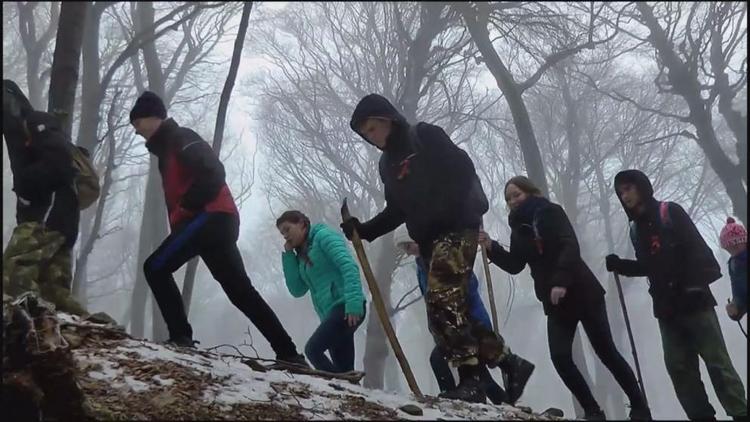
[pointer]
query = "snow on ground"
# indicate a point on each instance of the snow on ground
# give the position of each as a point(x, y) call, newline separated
point(143, 380)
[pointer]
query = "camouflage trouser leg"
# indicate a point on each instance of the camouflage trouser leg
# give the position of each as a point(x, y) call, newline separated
point(447, 299)
point(56, 279)
point(36, 260)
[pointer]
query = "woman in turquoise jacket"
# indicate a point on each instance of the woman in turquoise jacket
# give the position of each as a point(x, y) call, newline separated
point(316, 259)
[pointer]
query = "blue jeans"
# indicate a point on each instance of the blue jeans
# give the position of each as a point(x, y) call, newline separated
point(335, 336)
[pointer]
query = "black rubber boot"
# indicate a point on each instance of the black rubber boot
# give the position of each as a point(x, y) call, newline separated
point(183, 341)
point(518, 371)
point(469, 388)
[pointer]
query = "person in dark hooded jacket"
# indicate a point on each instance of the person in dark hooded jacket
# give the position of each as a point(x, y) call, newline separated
point(39, 252)
point(542, 237)
point(679, 265)
point(431, 185)
point(204, 222)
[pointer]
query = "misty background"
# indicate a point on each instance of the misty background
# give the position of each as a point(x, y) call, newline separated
point(568, 93)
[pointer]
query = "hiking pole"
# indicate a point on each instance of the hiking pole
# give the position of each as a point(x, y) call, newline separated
point(738, 322)
point(377, 299)
point(490, 291)
point(630, 336)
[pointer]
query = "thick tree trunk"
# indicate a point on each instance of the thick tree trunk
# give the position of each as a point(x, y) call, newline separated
point(376, 347)
point(513, 95)
point(189, 281)
point(87, 137)
point(153, 228)
point(686, 84)
point(66, 61)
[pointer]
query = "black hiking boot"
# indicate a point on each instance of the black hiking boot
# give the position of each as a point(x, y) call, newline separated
point(640, 413)
point(518, 371)
point(553, 411)
point(183, 341)
point(470, 388)
point(595, 414)
point(296, 360)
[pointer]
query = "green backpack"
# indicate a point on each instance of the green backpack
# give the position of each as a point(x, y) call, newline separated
point(86, 182)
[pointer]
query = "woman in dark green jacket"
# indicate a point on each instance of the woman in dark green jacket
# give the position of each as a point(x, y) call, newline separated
point(316, 259)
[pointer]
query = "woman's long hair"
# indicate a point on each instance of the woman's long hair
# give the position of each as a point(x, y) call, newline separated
point(524, 184)
point(296, 217)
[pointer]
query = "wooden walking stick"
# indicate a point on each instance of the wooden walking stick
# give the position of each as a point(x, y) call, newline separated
point(380, 306)
point(490, 291)
point(630, 335)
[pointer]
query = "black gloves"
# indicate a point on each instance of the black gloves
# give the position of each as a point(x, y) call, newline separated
point(614, 264)
point(349, 226)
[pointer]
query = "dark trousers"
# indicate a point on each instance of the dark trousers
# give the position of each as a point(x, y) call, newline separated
point(442, 371)
point(213, 237)
point(335, 336)
point(560, 333)
point(684, 339)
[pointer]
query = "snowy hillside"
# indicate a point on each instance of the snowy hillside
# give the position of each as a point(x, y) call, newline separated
point(124, 378)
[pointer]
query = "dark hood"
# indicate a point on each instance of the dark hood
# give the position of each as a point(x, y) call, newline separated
point(375, 105)
point(641, 182)
point(39, 121)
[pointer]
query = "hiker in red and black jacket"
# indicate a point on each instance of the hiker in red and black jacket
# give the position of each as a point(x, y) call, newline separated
point(679, 265)
point(204, 221)
point(543, 238)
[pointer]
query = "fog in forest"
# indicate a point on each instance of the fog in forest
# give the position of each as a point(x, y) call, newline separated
point(566, 92)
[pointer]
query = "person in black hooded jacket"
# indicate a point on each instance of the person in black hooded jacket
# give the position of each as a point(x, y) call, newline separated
point(543, 238)
point(680, 266)
point(39, 253)
point(431, 185)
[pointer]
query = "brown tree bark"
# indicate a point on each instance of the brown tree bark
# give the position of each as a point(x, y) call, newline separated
point(35, 47)
point(685, 83)
point(513, 95)
point(66, 62)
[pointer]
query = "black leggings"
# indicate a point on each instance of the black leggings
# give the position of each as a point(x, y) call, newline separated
point(560, 333)
point(213, 236)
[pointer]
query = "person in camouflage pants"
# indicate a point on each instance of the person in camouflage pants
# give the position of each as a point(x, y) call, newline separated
point(38, 255)
point(37, 260)
point(447, 296)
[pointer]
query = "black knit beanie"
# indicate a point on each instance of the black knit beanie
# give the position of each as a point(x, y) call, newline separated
point(148, 105)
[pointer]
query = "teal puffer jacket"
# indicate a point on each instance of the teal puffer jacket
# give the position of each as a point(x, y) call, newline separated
point(333, 277)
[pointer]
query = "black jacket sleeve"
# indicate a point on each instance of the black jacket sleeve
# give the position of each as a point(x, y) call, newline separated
point(510, 262)
point(632, 268)
point(209, 176)
point(50, 169)
point(557, 232)
point(456, 169)
point(702, 264)
point(386, 221)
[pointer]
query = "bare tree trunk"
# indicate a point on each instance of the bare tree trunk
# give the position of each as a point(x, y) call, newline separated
point(35, 47)
point(87, 137)
point(376, 347)
point(189, 281)
point(91, 233)
point(153, 227)
point(66, 62)
point(686, 84)
point(513, 95)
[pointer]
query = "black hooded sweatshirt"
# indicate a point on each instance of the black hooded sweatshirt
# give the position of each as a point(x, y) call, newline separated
point(677, 261)
point(426, 187)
